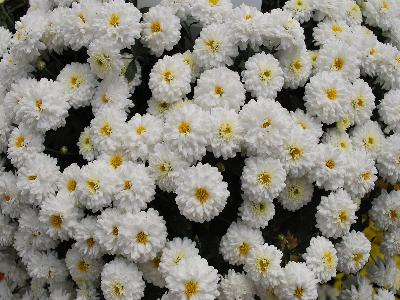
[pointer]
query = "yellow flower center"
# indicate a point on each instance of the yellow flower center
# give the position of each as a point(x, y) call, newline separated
point(118, 289)
point(357, 257)
point(299, 4)
point(248, 17)
point(263, 264)
point(82, 17)
point(295, 191)
point(343, 216)
point(266, 123)
point(372, 51)
point(115, 231)
point(140, 130)
point(106, 129)
point(338, 63)
point(213, 2)
point(71, 185)
point(156, 262)
point(393, 215)
point(331, 93)
point(266, 75)
point(75, 81)
point(32, 177)
point(103, 61)
point(165, 167)
point(6, 197)
point(212, 45)
point(184, 127)
point(259, 207)
point(178, 257)
point(114, 20)
point(302, 124)
point(127, 185)
point(83, 266)
point(116, 161)
point(366, 176)
point(295, 152)
point(142, 238)
point(38, 104)
point(93, 185)
point(264, 178)
point(168, 76)
point(297, 65)
point(369, 141)
point(385, 5)
point(104, 99)
point(329, 259)
point(330, 164)
point(337, 28)
point(56, 221)
point(90, 242)
point(298, 293)
point(225, 131)
point(244, 249)
point(20, 141)
point(155, 27)
point(219, 90)
point(191, 287)
point(359, 102)
point(202, 195)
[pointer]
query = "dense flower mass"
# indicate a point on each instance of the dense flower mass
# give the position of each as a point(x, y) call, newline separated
point(200, 150)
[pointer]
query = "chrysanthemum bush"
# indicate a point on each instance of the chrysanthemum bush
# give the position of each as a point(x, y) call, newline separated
point(195, 150)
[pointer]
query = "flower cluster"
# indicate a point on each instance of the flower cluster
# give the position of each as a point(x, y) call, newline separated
point(92, 231)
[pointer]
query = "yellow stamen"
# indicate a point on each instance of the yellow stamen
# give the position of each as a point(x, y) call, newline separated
point(263, 264)
point(116, 161)
point(140, 130)
point(114, 20)
point(20, 141)
point(331, 93)
point(184, 127)
point(155, 27)
point(191, 287)
point(142, 238)
point(264, 178)
point(93, 185)
point(244, 249)
point(330, 164)
point(56, 221)
point(71, 185)
point(202, 195)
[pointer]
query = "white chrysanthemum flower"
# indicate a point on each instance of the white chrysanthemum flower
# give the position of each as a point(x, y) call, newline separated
point(108, 128)
point(385, 211)
point(329, 31)
point(112, 92)
point(360, 173)
point(117, 21)
point(247, 22)
point(296, 66)
point(266, 123)
point(353, 252)
point(383, 273)
point(145, 131)
point(46, 266)
point(104, 58)
point(5, 40)
point(43, 105)
point(121, 279)
point(22, 143)
point(52, 36)
point(297, 193)
point(301, 10)
point(82, 267)
point(263, 76)
point(11, 203)
point(297, 152)
point(236, 286)
point(60, 215)
point(34, 181)
point(135, 187)
point(326, 97)
point(86, 146)
point(59, 294)
point(151, 272)
point(298, 283)
point(226, 133)
point(95, 185)
point(108, 230)
point(12, 98)
point(219, 87)
point(383, 294)
point(216, 46)
point(256, 214)
point(361, 288)
point(187, 131)
point(193, 279)
point(211, 11)
point(201, 193)
point(160, 29)
point(86, 240)
point(175, 252)
point(338, 139)
point(78, 83)
point(368, 136)
point(335, 214)
point(329, 168)
point(166, 165)
point(263, 178)
point(170, 79)
point(69, 178)
point(181, 8)
point(388, 161)
point(238, 242)
point(389, 110)
point(362, 102)
point(282, 31)
point(321, 258)
point(143, 235)
point(263, 265)
point(390, 245)
point(7, 230)
point(190, 60)
point(379, 13)
point(308, 123)
point(76, 24)
point(12, 69)
point(340, 58)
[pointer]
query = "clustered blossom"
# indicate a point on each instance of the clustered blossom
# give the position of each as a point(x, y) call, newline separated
point(227, 98)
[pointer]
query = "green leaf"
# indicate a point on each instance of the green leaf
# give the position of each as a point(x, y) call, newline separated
point(131, 71)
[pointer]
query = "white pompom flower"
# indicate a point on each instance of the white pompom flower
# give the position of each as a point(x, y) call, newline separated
point(104, 58)
point(201, 193)
point(297, 193)
point(236, 285)
point(385, 211)
point(256, 214)
point(389, 110)
point(368, 136)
